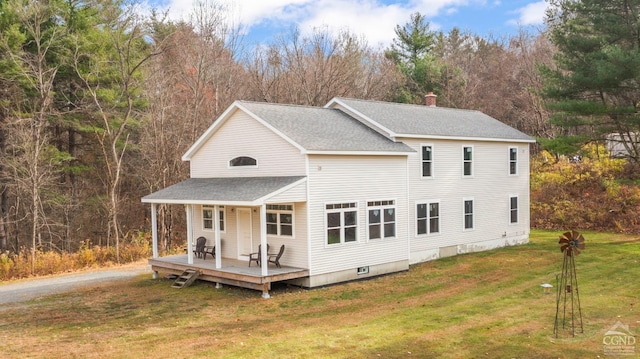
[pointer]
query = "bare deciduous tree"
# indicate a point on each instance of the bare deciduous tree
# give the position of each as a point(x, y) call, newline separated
point(110, 69)
point(29, 49)
point(312, 70)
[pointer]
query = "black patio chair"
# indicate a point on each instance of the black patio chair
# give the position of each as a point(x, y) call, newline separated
point(209, 250)
point(257, 257)
point(275, 258)
point(199, 250)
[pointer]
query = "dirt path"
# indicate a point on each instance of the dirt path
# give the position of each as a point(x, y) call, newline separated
point(24, 290)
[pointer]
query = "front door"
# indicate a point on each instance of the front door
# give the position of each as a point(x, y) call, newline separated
point(245, 230)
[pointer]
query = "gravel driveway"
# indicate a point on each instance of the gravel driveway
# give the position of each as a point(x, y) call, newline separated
point(29, 289)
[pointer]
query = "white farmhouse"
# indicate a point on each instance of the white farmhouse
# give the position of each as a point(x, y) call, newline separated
point(353, 189)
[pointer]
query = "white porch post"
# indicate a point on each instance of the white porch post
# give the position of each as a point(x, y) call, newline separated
point(189, 209)
point(263, 239)
point(217, 241)
point(154, 230)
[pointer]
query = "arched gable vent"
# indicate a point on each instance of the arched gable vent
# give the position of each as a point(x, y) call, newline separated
point(243, 161)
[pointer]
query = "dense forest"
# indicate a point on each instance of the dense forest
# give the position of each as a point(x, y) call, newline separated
point(99, 100)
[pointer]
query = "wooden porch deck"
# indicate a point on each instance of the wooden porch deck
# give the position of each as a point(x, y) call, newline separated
point(233, 272)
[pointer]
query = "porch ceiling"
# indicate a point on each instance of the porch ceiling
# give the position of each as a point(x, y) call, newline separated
point(249, 191)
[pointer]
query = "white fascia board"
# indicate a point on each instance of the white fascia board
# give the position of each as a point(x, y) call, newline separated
point(209, 132)
point(360, 116)
point(201, 202)
point(455, 138)
point(358, 153)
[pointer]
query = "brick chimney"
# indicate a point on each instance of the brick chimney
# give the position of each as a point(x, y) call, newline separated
point(430, 99)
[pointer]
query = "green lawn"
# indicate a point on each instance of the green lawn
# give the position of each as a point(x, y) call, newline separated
point(487, 305)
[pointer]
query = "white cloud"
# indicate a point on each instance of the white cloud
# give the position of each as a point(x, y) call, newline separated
point(531, 14)
point(374, 19)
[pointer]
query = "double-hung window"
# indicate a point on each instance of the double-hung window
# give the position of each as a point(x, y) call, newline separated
point(427, 161)
point(513, 160)
point(513, 209)
point(207, 218)
point(280, 220)
point(342, 222)
point(468, 214)
point(381, 219)
point(428, 218)
point(467, 160)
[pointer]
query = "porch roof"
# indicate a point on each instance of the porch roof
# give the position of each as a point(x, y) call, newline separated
point(248, 191)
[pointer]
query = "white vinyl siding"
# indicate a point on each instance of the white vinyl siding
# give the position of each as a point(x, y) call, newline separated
point(346, 179)
point(273, 154)
point(490, 187)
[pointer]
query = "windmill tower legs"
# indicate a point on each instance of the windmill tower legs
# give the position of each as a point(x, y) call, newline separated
point(568, 298)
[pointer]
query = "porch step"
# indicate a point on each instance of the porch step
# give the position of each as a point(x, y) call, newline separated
point(186, 278)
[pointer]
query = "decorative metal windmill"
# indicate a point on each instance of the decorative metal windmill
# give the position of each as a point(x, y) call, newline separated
point(571, 243)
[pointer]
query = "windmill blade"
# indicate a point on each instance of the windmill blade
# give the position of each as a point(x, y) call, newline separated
point(581, 245)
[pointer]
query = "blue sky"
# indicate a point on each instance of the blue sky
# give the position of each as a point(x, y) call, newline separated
point(375, 20)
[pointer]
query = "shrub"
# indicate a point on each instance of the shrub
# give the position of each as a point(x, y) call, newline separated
point(596, 192)
point(19, 265)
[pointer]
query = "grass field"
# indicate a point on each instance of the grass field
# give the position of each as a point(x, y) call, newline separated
point(482, 305)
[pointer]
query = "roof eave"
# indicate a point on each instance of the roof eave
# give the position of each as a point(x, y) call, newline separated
point(463, 138)
point(359, 153)
point(200, 202)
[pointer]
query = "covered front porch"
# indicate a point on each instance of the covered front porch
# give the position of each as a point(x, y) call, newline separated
point(237, 216)
point(232, 272)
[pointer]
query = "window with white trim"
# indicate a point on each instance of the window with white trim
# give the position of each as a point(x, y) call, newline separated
point(513, 209)
point(467, 160)
point(207, 218)
point(427, 161)
point(468, 214)
point(381, 219)
point(513, 160)
point(428, 218)
point(342, 222)
point(280, 220)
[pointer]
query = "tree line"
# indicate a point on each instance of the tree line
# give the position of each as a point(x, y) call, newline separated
point(98, 100)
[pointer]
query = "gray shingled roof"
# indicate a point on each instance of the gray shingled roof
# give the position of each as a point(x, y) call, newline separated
point(322, 129)
point(234, 189)
point(419, 120)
